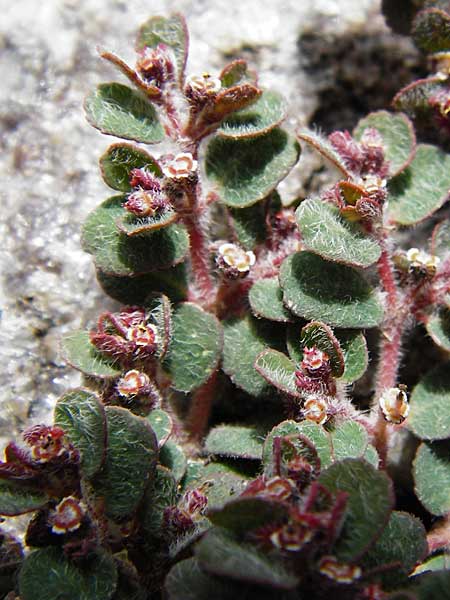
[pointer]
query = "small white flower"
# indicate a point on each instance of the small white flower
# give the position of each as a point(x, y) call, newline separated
point(234, 256)
point(132, 383)
point(394, 405)
point(204, 83)
point(182, 165)
point(315, 409)
point(420, 259)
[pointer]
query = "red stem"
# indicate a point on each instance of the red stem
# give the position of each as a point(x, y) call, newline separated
point(200, 408)
point(204, 291)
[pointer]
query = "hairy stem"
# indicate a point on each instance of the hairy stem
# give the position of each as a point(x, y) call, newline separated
point(200, 408)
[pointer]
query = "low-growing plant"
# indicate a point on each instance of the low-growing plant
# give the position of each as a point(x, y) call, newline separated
point(220, 446)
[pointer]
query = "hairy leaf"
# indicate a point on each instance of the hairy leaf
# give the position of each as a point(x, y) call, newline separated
point(80, 354)
point(119, 160)
point(117, 254)
point(116, 109)
point(258, 118)
point(17, 499)
point(172, 456)
point(82, 416)
point(162, 425)
point(130, 462)
point(235, 441)
point(432, 477)
point(397, 133)
point(278, 370)
point(429, 416)
point(327, 233)
point(242, 515)
point(335, 294)
point(349, 440)
point(195, 347)
point(422, 188)
point(159, 495)
point(249, 225)
point(369, 503)
point(431, 30)
point(326, 149)
point(320, 336)
point(132, 225)
point(47, 574)
point(438, 328)
point(245, 171)
point(266, 300)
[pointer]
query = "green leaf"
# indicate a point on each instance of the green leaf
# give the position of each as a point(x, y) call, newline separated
point(440, 241)
point(369, 503)
point(47, 574)
point(132, 225)
point(16, 499)
point(314, 433)
point(237, 72)
point(422, 188)
point(134, 290)
point(327, 233)
point(219, 553)
point(162, 425)
point(441, 562)
point(119, 160)
point(246, 171)
point(159, 313)
point(429, 417)
point(335, 294)
point(431, 471)
point(195, 347)
point(438, 328)
point(235, 441)
point(414, 98)
point(159, 495)
point(224, 481)
point(80, 354)
point(278, 370)
point(397, 133)
point(266, 300)
point(349, 440)
point(356, 358)
point(371, 455)
point(117, 254)
point(432, 586)
point(172, 456)
point(249, 225)
point(431, 30)
point(116, 109)
point(130, 462)
point(170, 31)
point(258, 118)
point(187, 581)
point(244, 515)
point(82, 416)
point(244, 339)
point(318, 335)
point(402, 541)
point(326, 149)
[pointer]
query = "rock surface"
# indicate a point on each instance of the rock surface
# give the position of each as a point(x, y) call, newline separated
point(333, 60)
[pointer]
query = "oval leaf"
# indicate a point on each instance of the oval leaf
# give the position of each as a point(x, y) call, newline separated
point(278, 370)
point(258, 118)
point(349, 440)
point(422, 189)
point(116, 109)
point(246, 171)
point(242, 515)
point(15, 499)
point(249, 225)
point(195, 347)
point(80, 354)
point(397, 133)
point(369, 504)
point(47, 574)
point(235, 441)
point(318, 335)
point(431, 30)
point(431, 471)
point(440, 241)
point(438, 328)
point(119, 160)
point(327, 233)
point(162, 425)
point(429, 417)
point(172, 456)
point(82, 416)
point(132, 225)
point(266, 300)
point(335, 294)
point(131, 454)
point(243, 340)
point(117, 254)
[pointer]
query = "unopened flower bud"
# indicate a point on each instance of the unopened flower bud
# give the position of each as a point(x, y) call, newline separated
point(67, 516)
point(155, 65)
point(234, 261)
point(181, 166)
point(203, 84)
point(144, 203)
point(337, 571)
point(394, 405)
